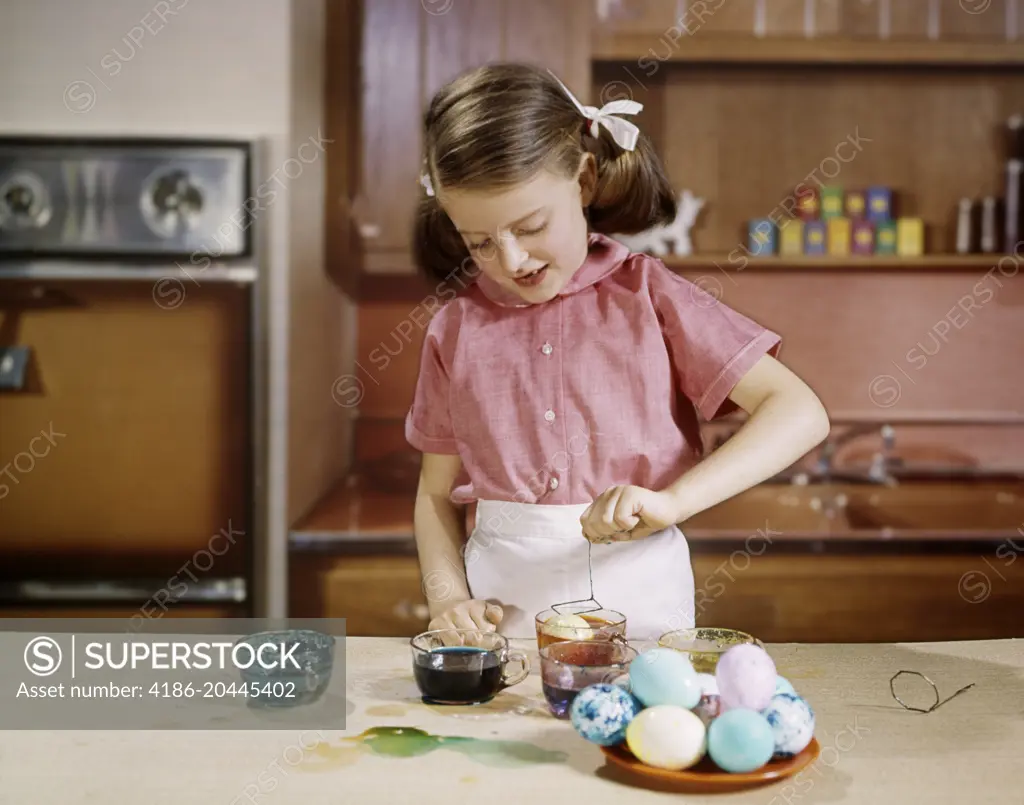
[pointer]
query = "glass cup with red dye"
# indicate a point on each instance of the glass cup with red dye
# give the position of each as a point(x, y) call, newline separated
point(569, 666)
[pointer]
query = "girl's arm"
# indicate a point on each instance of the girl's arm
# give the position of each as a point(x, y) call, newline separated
point(786, 421)
point(439, 528)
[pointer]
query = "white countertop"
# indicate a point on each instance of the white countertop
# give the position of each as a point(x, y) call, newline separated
point(874, 752)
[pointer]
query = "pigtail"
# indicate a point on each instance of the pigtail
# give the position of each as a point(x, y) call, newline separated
point(438, 250)
point(633, 191)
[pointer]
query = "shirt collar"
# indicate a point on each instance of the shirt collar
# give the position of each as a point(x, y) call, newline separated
point(604, 255)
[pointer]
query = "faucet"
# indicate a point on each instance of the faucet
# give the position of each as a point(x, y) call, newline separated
point(881, 462)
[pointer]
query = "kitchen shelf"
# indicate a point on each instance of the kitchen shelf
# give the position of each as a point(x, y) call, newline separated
point(740, 262)
point(773, 50)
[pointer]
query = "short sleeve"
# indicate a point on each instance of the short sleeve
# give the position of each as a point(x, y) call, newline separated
point(428, 425)
point(711, 345)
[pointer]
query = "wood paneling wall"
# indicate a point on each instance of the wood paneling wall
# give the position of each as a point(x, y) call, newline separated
point(743, 138)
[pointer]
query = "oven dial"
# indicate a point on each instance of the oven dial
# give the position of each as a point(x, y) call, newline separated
point(24, 202)
point(171, 203)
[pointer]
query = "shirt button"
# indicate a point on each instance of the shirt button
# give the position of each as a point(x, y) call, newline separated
point(547, 349)
point(553, 483)
point(549, 415)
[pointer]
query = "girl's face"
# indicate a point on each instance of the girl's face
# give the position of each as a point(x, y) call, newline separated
point(529, 239)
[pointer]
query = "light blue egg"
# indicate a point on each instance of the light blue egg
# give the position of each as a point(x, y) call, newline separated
point(783, 685)
point(740, 740)
point(664, 676)
point(792, 721)
point(601, 713)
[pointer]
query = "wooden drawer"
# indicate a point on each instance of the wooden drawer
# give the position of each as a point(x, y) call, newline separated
point(114, 611)
point(780, 598)
point(861, 598)
point(379, 596)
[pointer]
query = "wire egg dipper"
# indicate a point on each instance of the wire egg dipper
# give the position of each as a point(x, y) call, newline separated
point(569, 623)
point(574, 607)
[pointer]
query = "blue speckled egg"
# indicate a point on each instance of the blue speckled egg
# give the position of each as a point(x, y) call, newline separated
point(664, 676)
point(601, 713)
point(792, 721)
point(783, 685)
point(740, 740)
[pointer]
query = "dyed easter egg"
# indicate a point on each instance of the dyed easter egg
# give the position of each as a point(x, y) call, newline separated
point(601, 713)
point(746, 677)
point(783, 685)
point(568, 627)
point(792, 721)
point(708, 684)
point(664, 676)
point(667, 737)
point(708, 708)
point(740, 740)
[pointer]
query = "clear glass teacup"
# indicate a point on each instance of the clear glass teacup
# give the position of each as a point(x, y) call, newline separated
point(464, 666)
point(579, 623)
point(568, 667)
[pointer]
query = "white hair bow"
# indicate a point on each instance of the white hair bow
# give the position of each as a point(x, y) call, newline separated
point(623, 132)
point(427, 184)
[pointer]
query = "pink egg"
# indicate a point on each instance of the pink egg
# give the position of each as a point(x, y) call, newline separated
point(746, 678)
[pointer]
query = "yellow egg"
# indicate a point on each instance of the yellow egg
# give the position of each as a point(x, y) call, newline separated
point(667, 736)
point(568, 627)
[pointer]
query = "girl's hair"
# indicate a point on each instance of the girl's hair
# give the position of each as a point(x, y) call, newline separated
point(497, 126)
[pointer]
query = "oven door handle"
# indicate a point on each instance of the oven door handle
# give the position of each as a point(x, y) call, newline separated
point(231, 590)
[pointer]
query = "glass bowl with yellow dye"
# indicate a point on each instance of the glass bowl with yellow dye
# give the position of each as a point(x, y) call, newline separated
point(705, 645)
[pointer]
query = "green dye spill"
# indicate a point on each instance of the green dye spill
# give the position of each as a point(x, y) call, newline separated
point(402, 742)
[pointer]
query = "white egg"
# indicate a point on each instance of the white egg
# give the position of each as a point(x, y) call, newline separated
point(568, 627)
point(708, 684)
point(667, 736)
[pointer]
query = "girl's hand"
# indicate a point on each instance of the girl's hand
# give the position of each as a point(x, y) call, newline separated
point(625, 513)
point(476, 614)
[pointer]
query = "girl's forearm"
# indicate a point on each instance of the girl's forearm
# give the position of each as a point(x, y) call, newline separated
point(778, 432)
point(439, 529)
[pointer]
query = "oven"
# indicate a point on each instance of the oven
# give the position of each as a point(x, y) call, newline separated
point(131, 378)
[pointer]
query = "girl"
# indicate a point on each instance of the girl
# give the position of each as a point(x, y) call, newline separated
point(561, 391)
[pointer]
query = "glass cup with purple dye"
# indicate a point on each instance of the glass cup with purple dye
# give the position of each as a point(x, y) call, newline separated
point(569, 666)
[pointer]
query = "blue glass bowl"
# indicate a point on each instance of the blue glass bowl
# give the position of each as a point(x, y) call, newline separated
point(301, 660)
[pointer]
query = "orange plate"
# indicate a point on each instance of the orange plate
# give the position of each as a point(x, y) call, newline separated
point(706, 777)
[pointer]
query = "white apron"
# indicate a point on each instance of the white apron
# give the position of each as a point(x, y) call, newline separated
point(527, 557)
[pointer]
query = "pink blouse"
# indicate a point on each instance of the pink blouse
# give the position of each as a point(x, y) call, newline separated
point(554, 403)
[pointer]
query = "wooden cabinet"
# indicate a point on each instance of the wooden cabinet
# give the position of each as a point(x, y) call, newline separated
point(121, 612)
point(386, 59)
point(780, 595)
point(378, 595)
point(864, 597)
point(675, 20)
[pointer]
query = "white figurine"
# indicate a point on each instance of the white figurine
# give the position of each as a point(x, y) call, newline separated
point(672, 238)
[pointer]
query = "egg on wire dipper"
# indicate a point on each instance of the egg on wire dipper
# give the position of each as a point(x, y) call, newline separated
point(568, 627)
